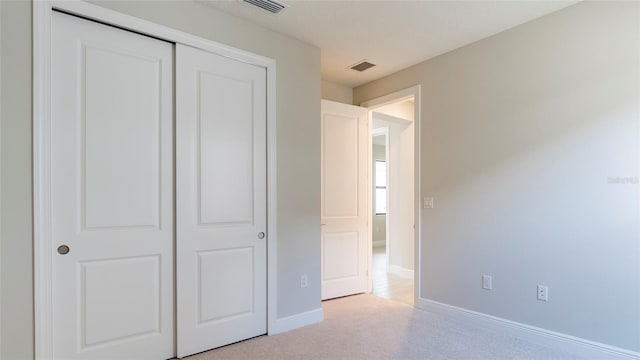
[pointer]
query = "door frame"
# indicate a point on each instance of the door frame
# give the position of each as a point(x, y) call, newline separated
point(415, 92)
point(42, 244)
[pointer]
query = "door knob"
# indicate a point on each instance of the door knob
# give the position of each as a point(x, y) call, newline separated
point(260, 235)
point(63, 249)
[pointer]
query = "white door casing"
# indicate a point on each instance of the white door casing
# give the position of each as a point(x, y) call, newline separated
point(345, 242)
point(221, 200)
point(111, 192)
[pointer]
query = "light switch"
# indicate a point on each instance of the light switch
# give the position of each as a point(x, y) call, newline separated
point(427, 202)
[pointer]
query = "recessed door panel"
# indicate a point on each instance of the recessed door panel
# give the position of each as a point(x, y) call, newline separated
point(221, 200)
point(237, 299)
point(225, 120)
point(340, 251)
point(340, 165)
point(111, 192)
point(121, 129)
point(133, 310)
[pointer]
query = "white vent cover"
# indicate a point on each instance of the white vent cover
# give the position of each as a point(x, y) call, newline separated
point(269, 5)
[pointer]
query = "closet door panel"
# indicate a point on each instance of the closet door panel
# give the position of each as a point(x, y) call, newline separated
point(221, 200)
point(112, 192)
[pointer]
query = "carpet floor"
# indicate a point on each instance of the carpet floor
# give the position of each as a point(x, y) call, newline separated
point(368, 327)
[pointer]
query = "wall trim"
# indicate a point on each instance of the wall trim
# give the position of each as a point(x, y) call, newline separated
point(400, 271)
point(297, 321)
point(42, 13)
point(378, 243)
point(553, 339)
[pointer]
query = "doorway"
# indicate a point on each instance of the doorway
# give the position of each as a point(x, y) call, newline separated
point(347, 163)
point(393, 231)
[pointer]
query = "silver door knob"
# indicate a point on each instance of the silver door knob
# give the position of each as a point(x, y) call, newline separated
point(63, 249)
point(260, 235)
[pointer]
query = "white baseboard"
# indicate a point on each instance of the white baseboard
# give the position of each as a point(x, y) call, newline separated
point(583, 347)
point(400, 271)
point(378, 243)
point(297, 321)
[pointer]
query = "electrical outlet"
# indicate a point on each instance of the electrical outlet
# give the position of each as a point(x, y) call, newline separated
point(427, 202)
point(304, 281)
point(487, 282)
point(543, 293)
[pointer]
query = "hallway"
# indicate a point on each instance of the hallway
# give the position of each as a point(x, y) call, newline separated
point(387, 285)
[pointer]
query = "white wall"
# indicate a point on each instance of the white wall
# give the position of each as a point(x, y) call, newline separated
point(404, 109)
point(298, 133)
point(521, 133)
point(379, 221)
point(400, 213)
point(337, 92)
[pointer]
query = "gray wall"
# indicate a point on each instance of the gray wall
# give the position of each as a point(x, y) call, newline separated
point(337, 92)
point(521, 134)
point(298, 132)
point(16, 236)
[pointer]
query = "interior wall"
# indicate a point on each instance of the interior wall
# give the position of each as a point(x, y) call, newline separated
point(16, 246)
point(379, 221)
point(0, 184)
point(531, 148)
point(298, 154)
point(337, 92)
point(400, 214)
point(402, 109)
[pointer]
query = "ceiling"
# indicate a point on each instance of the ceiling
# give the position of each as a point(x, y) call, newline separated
point(391, 34)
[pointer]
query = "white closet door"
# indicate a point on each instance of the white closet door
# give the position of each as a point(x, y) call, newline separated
point(345, 161)
point(112, 200)
point(221, 200)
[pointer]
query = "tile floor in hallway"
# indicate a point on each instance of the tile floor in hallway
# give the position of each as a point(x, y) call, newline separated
point(388, 285)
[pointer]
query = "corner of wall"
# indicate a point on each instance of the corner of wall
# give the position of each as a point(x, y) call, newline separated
point(555, 340)
point(297, 321)
point(337, 92)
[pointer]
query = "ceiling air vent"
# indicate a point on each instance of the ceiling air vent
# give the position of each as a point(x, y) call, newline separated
point(362, 66)
point(269, 5)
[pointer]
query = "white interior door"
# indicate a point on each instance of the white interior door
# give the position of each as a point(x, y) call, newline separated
point(112, 192)
point(345, 200)
point(221, 200)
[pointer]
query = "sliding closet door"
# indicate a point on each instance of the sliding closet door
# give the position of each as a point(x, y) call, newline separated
point(112, 192)
point(221, 200)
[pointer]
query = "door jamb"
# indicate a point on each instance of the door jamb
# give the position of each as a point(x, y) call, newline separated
point(415, 92)
point(42, 242)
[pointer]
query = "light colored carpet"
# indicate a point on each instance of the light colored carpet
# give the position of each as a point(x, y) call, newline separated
point(368, 327)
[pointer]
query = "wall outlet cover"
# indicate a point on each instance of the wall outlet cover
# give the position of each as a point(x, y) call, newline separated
point(543, 293)
point(487, 282)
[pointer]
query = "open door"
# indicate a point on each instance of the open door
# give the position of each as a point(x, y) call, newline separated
point(345, 199)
